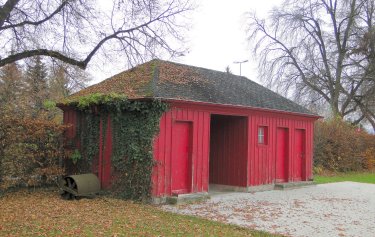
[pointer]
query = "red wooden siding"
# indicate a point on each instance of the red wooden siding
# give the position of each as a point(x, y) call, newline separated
point(261, 159)
point(105, 165)
point(282, 154)
point(163, 150)
point(228, 150)
point(250, 163)
point(262, 165)
point(181, 158)
point(70, 118)
point(299, 155)
point(101, 164)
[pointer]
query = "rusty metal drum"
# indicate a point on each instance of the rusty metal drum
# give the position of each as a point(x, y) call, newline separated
point(82, 185)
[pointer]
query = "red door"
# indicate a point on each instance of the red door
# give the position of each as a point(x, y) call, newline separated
point(103, 167)
point(107, 151)
point(299, 159)
point(181, 164)
point(282, 155)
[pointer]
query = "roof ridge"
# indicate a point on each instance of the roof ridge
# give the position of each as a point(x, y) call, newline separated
point(198, 67)
point(155, 78)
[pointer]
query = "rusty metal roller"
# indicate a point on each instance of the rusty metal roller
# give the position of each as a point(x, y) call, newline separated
point(82, 185)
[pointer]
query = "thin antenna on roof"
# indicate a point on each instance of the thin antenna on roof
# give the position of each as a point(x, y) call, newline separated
point(240, 62)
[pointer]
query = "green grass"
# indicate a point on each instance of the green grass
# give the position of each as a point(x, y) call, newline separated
point(365, 177)
point(43, 213)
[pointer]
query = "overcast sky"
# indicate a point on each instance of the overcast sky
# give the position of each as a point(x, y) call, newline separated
point(217, 37)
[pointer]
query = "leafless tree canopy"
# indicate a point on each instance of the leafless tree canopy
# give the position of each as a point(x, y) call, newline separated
point(73, 31)
point(323, 51)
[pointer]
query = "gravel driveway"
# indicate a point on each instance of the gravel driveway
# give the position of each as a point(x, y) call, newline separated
point(336, 209)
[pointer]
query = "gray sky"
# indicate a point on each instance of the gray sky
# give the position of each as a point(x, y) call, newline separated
point(217, 38)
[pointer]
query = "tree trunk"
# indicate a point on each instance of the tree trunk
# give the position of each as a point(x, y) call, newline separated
point(335, 109)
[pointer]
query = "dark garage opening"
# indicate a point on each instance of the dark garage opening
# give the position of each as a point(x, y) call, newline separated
point(228, 151)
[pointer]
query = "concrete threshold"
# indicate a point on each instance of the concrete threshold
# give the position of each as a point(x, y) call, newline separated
point(216, 189)
point(187, 198)
point(293, 185)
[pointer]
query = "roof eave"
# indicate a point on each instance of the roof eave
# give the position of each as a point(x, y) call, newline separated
point(145, 98)
point(242, 107)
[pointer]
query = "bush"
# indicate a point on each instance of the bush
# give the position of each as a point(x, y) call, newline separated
point(339, 146)
point(30, 151)
point(369, 151)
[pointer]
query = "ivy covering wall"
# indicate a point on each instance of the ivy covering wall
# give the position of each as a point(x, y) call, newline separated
point(134, 126)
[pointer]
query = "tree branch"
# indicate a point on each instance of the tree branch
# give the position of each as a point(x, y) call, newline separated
point(42, 52)
point(6, 9)
point(83, 63)
point(35, 23)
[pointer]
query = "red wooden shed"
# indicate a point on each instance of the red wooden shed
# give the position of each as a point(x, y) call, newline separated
point(221, 131)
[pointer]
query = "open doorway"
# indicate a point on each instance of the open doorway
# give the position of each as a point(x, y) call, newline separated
point(228, 151)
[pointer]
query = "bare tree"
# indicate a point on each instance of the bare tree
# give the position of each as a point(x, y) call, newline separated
point(73, 31)
point(313, 48)
point(366, 49)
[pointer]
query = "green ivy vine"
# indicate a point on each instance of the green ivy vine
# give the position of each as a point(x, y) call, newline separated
point(134, 125)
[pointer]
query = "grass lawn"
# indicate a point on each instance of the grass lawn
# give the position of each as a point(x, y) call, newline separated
point(43, 213)
point(366, 177)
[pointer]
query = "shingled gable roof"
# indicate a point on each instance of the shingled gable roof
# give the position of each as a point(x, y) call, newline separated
point(168, 80)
